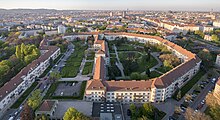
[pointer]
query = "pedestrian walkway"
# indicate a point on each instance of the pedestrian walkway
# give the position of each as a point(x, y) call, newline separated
point(118, 63)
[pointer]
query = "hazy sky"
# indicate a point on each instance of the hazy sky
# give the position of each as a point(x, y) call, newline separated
point(114, 4)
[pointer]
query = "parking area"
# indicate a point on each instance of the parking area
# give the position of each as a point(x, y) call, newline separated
point(81, 106)
point(113, 108)
point(68, 89)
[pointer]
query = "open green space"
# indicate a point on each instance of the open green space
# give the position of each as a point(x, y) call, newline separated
point(88, 68)
point(189, 84)
point(136, 62)
point(53, 87)
point(154, 74)
point(73, 63)
point(24, 96)
point(125, 47)
point(163, 69)
point(146, 112)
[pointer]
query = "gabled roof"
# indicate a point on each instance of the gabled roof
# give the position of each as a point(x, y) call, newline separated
point(99, 72)
point(47, 105)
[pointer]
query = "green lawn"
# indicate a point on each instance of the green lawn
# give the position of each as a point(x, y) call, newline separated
point(190, 84)
point(24, 96)
point(163, 70)
point(73, 63)
point(125, 47)
point(154, 74)
point(88, 68)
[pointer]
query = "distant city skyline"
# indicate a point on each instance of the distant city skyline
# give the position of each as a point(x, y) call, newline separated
point(188, 5)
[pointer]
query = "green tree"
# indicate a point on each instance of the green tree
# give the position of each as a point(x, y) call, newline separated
point(215, 37)
point(133, 110)
point(167, 65)
point(199, 33)
point(179, 96)
point(35, 99)
point(148, 110)
point(18, 52)
point(73, 114)
point(55, 75)
point(135, 76)
point(69, 30)
point(42, 117)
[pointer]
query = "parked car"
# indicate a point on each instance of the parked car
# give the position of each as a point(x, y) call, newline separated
point(129, 112)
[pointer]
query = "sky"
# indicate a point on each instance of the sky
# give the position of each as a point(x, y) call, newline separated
point(189, 5)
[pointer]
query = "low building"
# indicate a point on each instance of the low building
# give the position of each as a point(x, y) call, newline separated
point(48, 108)
point(61, 29)
point(208, 38)
point(217, 62)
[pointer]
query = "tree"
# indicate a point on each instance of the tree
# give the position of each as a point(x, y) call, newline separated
point(148, 71)
point(148, 110)
point(18, 52)
point(35, 99)
point(69, 30)
point(42, 117)
point(213, 105)
point(73, 114)
point(199, 33)
point(205, 55)
point(27, 113)
point(55, 75)
point(135, 76)
point(190, 114)
point(167, 65)
point(177, 110)
point(188, 97)
point(133, 110)
point(215, 37)
point(143, 118)
point(179, 96)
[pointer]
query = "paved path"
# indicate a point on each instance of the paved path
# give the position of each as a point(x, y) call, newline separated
point(119, 64)
point(77, 78)
point(155, 55)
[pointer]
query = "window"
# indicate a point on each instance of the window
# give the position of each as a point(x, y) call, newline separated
point(112, 93)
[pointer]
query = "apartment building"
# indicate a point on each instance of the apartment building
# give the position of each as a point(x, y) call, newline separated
point(217, 62)
point(12, 90)
point(153, 90)
point(101, 48)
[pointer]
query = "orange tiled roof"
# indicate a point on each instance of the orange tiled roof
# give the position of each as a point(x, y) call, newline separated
point(99, 72)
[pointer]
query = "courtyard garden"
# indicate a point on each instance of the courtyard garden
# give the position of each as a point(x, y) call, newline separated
point(73, 63)
point(138, 58)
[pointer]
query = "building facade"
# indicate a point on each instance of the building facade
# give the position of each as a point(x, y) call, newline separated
point(12, 90)
point(153, 90)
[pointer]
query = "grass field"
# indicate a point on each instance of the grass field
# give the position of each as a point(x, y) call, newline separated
point(71, 68)
point(88, 68)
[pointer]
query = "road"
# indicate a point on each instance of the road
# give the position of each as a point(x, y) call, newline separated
point(209, 46)
point(172, 103)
